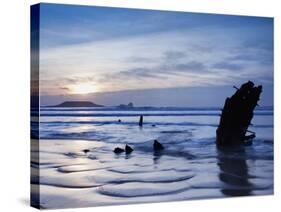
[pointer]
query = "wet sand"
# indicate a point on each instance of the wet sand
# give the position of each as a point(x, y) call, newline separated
point(69, 177)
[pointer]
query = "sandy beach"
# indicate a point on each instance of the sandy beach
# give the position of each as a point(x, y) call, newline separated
point(190, 166)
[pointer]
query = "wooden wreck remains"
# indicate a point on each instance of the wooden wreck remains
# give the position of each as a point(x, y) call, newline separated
point(236, 116)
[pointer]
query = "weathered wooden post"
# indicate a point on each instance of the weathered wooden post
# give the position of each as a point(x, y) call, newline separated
point(141, 121)
point(237, 114)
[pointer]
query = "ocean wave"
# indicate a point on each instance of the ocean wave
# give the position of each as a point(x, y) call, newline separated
point(260, 113)
point(147, 123)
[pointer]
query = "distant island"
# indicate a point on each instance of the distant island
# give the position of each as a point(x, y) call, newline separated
point(77, 104)
point(123, 106)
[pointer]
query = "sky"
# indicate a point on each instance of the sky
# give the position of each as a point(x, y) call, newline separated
point(113, 56)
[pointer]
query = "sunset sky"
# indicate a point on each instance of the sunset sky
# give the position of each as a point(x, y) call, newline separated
point(113, 56)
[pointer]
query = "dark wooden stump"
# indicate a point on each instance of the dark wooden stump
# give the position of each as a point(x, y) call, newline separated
point(237, 114)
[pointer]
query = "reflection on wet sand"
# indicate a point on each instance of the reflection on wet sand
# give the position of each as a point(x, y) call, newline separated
point(234, 172)
point(156, 157)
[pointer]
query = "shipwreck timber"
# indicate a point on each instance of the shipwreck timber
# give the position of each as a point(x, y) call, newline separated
point(237, 114)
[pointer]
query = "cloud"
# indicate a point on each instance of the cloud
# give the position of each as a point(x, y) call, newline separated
point(261, 57)
point(139, 59)
point(137, 72)
point(156, 75)
point(261, 43)
point(65, 89)
point(174, 55)
point(230, 66)
point(192, 66)
point(78, 79)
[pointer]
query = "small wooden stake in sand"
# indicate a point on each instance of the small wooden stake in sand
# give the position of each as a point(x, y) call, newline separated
point(141, 121)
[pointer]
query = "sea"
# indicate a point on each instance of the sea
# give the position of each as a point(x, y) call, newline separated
point(78, 167)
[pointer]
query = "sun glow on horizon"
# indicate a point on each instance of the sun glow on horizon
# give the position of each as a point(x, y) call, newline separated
point(83, 88)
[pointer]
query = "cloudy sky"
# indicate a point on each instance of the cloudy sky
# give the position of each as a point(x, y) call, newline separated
point(113, 56)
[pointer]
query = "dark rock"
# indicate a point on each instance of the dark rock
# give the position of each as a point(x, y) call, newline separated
point(141, 121)
point(237, 114)
point(157, 146)
point(128, 149)
point(118, 150)
point(119, 120)
point(153, 125)
point(86, 151)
